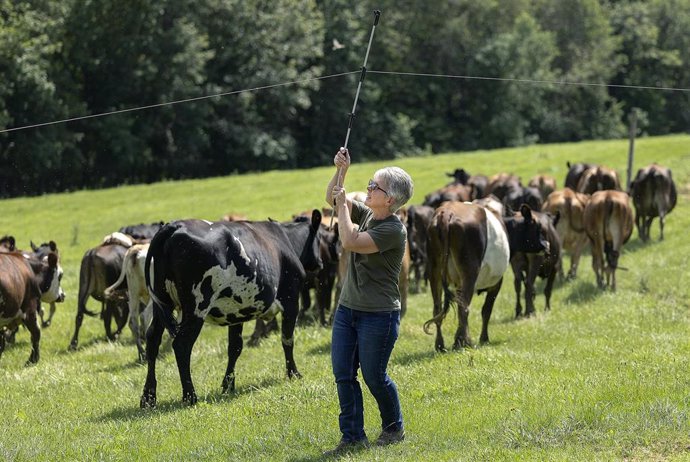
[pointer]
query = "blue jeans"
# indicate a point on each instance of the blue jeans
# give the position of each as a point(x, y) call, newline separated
point(366, 340)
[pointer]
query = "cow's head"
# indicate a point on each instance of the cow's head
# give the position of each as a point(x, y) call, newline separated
point(525, 232)
point(49, 273)
point(310, 256)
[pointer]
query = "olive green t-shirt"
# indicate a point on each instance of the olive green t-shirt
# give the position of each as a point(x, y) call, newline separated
point(371, 282)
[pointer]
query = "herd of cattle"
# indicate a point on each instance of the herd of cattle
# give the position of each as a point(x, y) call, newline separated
point(461, 240)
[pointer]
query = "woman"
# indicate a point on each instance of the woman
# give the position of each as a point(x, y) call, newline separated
point(367, 319)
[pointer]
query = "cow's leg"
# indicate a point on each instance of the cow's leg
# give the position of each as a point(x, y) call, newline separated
point(662, 217)
point(517, 283)
point(578, 248)
point(258, 334)
point(107, 315)
point(121, 314)
point(154, 334)
point(487, 309)
point(81, 311)
point(31, 323)
point(548, 288)
point(598, 263)
point(463, 297)
point(533, 263)
point(2, 341)
point(640, 226)
point(287, 337)
point(648, 227)
point(135, 327)
point(51, 313)
point(182, 346)
point(234, 351)
point(324, 293)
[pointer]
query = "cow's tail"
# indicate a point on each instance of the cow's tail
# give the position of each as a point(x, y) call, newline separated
point(108, 292)
point(610, 246)
point(443, 234)
point(85, 279)
point(155, 279)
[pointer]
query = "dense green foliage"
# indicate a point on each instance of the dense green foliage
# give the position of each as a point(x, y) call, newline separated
point(602, 376)
point(73, 58)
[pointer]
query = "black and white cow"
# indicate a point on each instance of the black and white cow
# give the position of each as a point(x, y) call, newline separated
point(225, 273)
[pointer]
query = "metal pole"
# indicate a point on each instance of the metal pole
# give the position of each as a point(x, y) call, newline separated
point(377, 15)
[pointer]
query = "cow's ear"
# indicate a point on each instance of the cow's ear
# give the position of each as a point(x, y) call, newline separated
point(53, 246)
point(315, 219)
point(52, 260)
point(33, 246)
point(526, 212)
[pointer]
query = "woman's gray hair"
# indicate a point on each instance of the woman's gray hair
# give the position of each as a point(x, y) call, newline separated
point(399, 183)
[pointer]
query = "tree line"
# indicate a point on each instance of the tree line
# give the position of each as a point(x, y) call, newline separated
point(75, 58)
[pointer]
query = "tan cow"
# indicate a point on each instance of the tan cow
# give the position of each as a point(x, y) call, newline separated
point(570, 205)
point(544, 183)
point(608, 220)
point(140, 308)
point(598, 178)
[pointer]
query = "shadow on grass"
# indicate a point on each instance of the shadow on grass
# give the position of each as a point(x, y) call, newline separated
point(318, 350)
point(582, 292)
point(406, 359)
point(134, 412)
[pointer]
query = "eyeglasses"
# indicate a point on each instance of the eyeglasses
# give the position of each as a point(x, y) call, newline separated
point(372, 186)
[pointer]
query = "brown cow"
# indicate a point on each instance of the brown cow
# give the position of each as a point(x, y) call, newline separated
point(478, 183)
point(608, 223)
point(502, 185)
point(452, 192)
point(570, 206)
point(598, 178)
point(575, 171)
point(24, 283)
point(100, 268)
point(418, 219)
point(654, 195)
point(469, 250)
point(544, 183)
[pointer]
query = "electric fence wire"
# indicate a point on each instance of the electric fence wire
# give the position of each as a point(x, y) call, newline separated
point(302, 81)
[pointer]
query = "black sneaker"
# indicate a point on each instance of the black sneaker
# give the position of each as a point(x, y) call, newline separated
point(346, 447)
point(390, 437)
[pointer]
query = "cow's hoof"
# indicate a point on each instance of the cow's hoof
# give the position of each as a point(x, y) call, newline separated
point(148, 400)
point(45, 324)
point(228, 385)
point(30, 362)
point(72, 346)
point(189, 398)
point(254, 342)
point(294, 374)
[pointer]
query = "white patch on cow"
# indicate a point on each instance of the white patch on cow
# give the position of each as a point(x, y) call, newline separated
point(243, 253)
point(497, 255)
point(172, 292)
point(243, 287)
point(207, 222)
point(54, 292)
point(271, 313)
point(118, 238)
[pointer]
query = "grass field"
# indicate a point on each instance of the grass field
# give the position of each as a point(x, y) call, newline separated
point(602, 376)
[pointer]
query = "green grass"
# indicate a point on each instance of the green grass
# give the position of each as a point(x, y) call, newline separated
point(602, 376)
